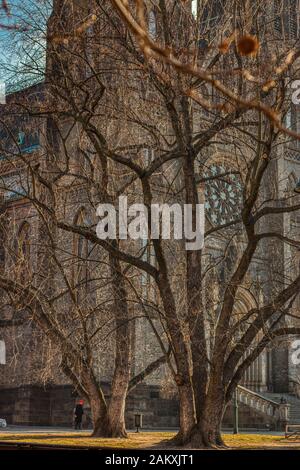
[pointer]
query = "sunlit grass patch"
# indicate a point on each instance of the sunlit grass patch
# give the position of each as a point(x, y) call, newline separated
point(144, 440)
point(253, 440)
point(134, 440)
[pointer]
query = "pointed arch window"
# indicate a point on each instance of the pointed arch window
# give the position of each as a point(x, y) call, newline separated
point(287, 18)
point(24, 251)
point(2, 353)
point(82, 249)
point(195, 8)
point(152, 24)
point(291, 18)
point(24, 241)
point(2, 249)
point(288, 119)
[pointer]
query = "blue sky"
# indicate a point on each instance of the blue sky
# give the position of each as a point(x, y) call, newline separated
point(22, 53)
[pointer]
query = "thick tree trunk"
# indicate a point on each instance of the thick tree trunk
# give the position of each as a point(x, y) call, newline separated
point(116, 414)
point(116, 409)
point(107, 426)
point(99, 409)
point(117, 403)
point(207, 435)
point(207, 432)
point(187, 415)
point(108, 421)
point(99, 417)
point(183, 377)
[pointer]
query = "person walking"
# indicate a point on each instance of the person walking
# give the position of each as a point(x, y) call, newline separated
point(78, 413)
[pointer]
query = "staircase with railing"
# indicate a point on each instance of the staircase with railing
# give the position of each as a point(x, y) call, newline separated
point(292, 400)
point(277, 413)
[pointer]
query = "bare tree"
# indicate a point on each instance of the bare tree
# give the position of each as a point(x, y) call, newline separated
point(172, 110)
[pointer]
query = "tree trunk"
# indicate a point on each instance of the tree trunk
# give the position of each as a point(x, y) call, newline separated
point(119, 389)
point(98, 406)
point(116, 409)
point(99, 417)
point(107, 426)
point(207, 435)
point(116, 413)
point(187, 415)
point(207, 432)
point(108, 421)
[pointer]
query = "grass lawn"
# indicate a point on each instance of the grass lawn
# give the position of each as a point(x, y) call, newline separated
point(134, 441)
point(145, 440)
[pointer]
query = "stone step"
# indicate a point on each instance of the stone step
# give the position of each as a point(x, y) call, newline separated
point(292, 400)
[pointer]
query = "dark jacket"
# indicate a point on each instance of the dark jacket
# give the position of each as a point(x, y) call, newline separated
point(79, 411)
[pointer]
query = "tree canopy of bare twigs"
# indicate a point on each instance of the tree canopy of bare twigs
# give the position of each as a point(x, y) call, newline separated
point(189, 107)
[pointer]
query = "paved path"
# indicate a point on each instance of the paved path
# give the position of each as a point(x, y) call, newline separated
point(59, 430)
point(40, 430)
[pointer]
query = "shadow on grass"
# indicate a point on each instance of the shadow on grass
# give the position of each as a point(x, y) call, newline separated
point(134, 441)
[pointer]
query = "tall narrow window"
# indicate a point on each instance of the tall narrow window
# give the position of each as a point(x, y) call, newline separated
point(152, 24)
point(288, 119)
point(292, 20)
point(148, 255)
point(195, 8)
point(2, 353)
point(82, 251)
point(23, 254)
point(2, 249)
point(147, 155)
point(287, 18)
point(291, 119)
point(278, 16)
point(52, 134)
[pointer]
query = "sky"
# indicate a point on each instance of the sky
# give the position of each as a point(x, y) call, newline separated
point(22, 48)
